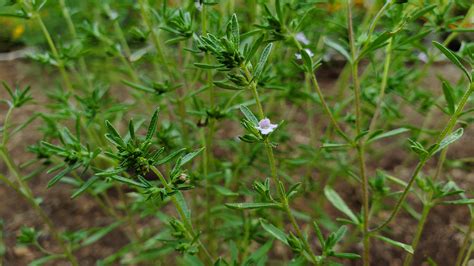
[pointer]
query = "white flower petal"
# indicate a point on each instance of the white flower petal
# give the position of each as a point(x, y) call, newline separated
point(198, 5)
point(265, 126)
point(302, 38)
point(266, 131)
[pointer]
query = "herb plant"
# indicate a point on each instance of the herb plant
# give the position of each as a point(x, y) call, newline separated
point(241, 132)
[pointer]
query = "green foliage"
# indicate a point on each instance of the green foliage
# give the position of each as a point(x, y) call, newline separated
point(137, 107)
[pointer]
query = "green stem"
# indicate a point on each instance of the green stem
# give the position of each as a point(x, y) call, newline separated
point(419, 230)
point(327, 110)
point(54, 51)
point(26, 192)
point(154, 36)
point(28, 195)
point(447, 130)
point(274, 173)
point(182, 214)
point(72, 30)
point(383, 86)
point(360, 144)
point(467, 240)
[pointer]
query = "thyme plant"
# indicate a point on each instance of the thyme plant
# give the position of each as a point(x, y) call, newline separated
point(269, 125)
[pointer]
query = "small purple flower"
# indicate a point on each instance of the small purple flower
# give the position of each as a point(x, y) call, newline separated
point(265, 126)
point(302, 38)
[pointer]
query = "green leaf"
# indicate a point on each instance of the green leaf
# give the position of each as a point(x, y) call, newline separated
point(339, 203)
point(113, 135)
point(258, 254)
point(234, 28)
point(335, 146)
point(254, 47)
point(319, 234)
point(453, 58)
point(262, 61)
point(449, 97)
point(188, 157)
point(223, 84)
point(138, 86)
point(96, 236)
point(128, 181)
point(170, 156)
point(339, 49)
point(44, 260)
point(379, 42)
point(458, 202)
point(274, 231)
point(153, 124)
point(449, 140)
point(207, 66)
point(252, 205)
point(85, 186)
point(224, 191)
point(249, 115)
point(340, 234)
point(182, 203)
point(307, 60)
point(131, 130)
point(350, 256)
point(407, 248)
point(58, 177)
point(390, 133)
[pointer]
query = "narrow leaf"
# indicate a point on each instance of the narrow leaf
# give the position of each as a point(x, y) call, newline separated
point(449, 96)
point(227, 86)
point(207, 66)
point(449, 139)
point(458, 202)
point(182, 203)
point(170, 156)
point(85, 186)
point(152, 127)
point(339, 203)
point(248, 114)
point(406, 247)
point(274, 231)
point(387, 134)
point(225, 191)
point(128, 181)
point(453, 58)
point(339, 49)
point(262, 61)
point(252, 205)
point(188, 157)
point(96, 236)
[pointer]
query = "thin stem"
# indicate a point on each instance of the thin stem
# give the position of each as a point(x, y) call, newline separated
point(383, 85)
point(427, 206)
point(28, 195)
point(182, 214)
point(54, 51)
point(154, 36)
point(465, 243)
point(360, 144)
point(24, 190)
point(72, 30)
point(5, 125)
point(274, 173)
point(327, 110)
point(419, 230)
point(449, 127)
